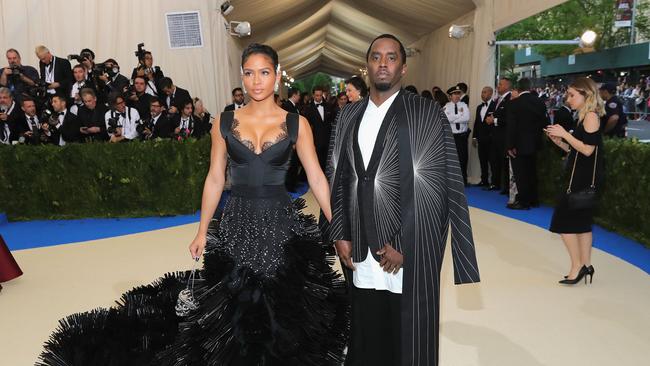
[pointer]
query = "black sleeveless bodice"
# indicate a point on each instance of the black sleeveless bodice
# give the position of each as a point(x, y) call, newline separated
point(263, 172)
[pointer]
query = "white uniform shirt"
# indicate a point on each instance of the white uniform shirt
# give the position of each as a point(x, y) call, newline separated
point(368, 274)
point(458, 116)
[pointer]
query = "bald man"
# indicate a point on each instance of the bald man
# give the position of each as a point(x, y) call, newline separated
point(482, 136)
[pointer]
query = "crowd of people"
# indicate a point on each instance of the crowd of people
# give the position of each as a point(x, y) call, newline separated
point(60, 103)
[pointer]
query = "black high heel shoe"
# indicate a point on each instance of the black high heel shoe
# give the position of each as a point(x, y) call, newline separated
point(590, 274)
point(583, 272)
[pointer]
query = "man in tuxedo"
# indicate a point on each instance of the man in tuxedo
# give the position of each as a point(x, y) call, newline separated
point(174, 98)
point(91, 117)
point(62, 127)
point(113, 82)
point(320, 117)
point(28, 124)
point(482, 137)
point(527, 118)
point(159, 124)
point(237, 100)
point(139, 98)
point(463, 97)
point(16, 76)
point(9, 117)
point(185, 124)
point(564, 117)
point(55, 71)
point(293, 98)
point(498, 120)
point(152, 74)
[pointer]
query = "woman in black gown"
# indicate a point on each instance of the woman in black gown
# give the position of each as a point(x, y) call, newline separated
point(266, 294)
point(585, 148)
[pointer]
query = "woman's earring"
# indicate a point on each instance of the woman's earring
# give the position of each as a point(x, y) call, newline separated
point(276, 87)
point(243, 89)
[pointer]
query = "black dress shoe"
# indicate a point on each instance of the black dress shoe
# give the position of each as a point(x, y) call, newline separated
point(517, 206)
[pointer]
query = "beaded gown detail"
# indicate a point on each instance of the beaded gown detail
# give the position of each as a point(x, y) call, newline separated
point(267, 293)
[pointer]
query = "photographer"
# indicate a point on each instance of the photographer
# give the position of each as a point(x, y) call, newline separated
point(55, 71)
point(59, 125)
point(158, 124)
point(112, 81)
point(202, 114)
point(16, 77)
point(28, 125)
point(9, 114)
point(138, 98)
point(174, 98)
point(79, 73)
point(121, 121)
point(152, 74)
point(186, 125)
point(92, 125)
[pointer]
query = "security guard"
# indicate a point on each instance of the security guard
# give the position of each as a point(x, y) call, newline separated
point(614, 121)
point(458, 115)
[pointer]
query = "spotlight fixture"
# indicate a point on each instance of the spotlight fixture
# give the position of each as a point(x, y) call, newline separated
point(410, 51)
point(460, 31)
point(587, 39)
point(226, 8)
point(239, 29)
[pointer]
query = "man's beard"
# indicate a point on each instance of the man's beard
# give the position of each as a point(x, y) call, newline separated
point(382, 86)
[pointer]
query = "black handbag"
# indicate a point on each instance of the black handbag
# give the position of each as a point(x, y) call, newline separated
point(584, 198)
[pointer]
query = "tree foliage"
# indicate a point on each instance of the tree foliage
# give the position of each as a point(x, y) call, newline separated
point(308, 83)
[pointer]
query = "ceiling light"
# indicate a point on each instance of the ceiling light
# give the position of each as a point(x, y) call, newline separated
point(239, 29)
point(459, 31)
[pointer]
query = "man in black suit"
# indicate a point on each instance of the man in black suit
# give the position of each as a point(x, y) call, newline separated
point(564, 117)
point(237, 100)
point(92, 125)
point(464, 97)
point(62, 127)
point(498, 120)
point(527, 118)
point(174, 98)
point(159, 123)
point(185, 124)
point(113, 82)
point(16, 76)
point(320, 117)
point(139, 99)
point(28, 124)
point(55, 71)
point(482, 136)
point(291, 104)
point(9, 117)
point(152, 74)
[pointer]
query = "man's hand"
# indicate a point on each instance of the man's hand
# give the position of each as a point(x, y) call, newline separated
point(489, 120)
point(474, 142)
point(173, 110)
point(344, 250)
point(177, 131)
point(512, 153)
point(94, 130)
point(4, 116)
point(54, 85)
point(391, 259)
point(7, 71)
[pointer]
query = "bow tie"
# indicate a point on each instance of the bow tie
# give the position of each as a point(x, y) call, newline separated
point(60, 114)
point(123, 115)
point(318, 104)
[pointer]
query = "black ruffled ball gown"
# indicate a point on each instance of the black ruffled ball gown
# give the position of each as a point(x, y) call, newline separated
point(267, 294)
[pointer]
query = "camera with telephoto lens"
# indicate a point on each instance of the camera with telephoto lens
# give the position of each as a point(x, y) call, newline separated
point(83, 56)
point(142, 125)
point(140, 52)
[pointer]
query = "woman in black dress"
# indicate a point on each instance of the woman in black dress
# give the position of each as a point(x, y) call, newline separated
point(267, 295)
point(585, 166)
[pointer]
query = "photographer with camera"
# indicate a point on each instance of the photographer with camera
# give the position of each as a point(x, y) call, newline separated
point(202, 114)
point(187, 125)
point(111, 80)
point(28, 125)
point(59, 125)
point(174, 98)
point(152, 74)
point(79, 73)
point(17, 77)
point(92, 125)
point(9, 115)
point(56, 72)
point(121, 121)
point(158, 125)
point(138, 98)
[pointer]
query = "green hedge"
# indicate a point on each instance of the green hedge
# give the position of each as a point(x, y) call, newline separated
point(624, 206)
point(166, 178)
point(153, 178)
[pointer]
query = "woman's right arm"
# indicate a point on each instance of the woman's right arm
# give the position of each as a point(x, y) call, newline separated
point(212, 189)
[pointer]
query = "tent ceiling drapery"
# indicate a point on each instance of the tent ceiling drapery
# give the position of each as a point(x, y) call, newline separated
point(332, 36)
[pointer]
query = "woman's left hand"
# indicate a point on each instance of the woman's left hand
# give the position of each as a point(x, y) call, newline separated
point(556, 131)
